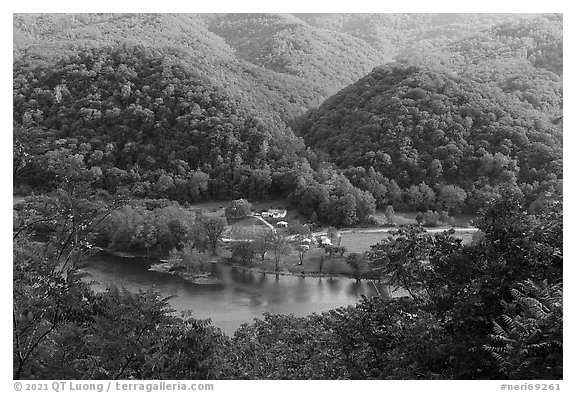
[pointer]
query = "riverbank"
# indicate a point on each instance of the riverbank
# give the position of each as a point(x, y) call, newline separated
point(241, 295)
point(303, 274)
point(126, 254)
point(155, 264)
point(316, 263)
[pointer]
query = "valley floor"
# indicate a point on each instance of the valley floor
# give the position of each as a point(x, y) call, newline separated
point(317, 263)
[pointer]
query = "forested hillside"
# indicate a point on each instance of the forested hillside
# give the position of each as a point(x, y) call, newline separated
point(420, 126)
point(281, 64)
point(272, 73)
point(451, 124)
point(148, 127)
point(46, 39)
point(197, 106)
point(285, 44)
point(522, 58)
point(396, 34)
point(150, 124)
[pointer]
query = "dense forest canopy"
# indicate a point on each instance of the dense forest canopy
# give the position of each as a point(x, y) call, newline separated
point(522, 58)
point(415, 126)
point(259, 64)
point(147, 122)
point(206, 48)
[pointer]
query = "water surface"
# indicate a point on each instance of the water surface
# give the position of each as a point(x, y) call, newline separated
point(240, 296)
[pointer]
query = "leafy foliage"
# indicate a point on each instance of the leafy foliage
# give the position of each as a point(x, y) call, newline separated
point(358, 263)
point(527, 343)
point(208, 231)
point(279, 246)
point(238, 209)
point(417, 126)
point(140, 230)
point(262, 244)
point(150, 125)
point(242, 251)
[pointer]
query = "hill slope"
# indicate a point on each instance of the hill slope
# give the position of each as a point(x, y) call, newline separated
point(148, 122)
point(415, 125)
point(281, 64)
point(265, 85)
point(522, 58)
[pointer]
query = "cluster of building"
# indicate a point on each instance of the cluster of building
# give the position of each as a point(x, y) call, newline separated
point(273, 213)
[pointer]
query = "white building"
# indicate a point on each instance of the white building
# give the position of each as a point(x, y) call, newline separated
point(274, 213)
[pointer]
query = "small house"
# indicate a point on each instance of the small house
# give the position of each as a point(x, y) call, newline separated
point(282, 224)
point(277, 213)
point(274, 213)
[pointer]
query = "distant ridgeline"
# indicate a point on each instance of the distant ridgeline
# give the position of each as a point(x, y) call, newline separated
point(447, 130)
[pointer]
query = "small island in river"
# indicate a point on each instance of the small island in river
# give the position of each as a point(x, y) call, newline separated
point(188, 273)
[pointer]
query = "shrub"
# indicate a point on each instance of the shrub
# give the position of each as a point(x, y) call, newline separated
point(242, 252)
point(431, 219)
point(434, 219)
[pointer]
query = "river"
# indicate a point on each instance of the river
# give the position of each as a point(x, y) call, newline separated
point(240, 296)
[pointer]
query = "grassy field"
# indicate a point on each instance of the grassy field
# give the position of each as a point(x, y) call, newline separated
point(357, 242)
point(403, 218)
point(248, 228)
point(360, 242)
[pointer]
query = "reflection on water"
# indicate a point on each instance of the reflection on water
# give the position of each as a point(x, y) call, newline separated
point(240, 296)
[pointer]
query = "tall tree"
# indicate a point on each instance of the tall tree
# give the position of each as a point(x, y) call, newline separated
point(279, 247)
point(263, 243)
point(208, 231)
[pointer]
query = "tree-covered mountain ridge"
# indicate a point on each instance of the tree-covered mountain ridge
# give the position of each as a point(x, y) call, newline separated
point(523, 58)
point(277, 63)
point(416, 125)
point(207, 46)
